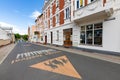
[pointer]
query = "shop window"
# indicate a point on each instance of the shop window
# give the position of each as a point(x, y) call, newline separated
point(98, 34)
point(83, 34)
point(91, 34)
point(82, 37)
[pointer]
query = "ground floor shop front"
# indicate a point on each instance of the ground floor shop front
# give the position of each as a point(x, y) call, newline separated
point(102, 35)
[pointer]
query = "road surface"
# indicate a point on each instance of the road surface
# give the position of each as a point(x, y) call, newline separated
point(33, 62)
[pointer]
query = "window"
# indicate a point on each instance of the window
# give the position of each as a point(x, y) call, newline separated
point(57, 35)
point(46, 24)
point(81, 3)
point(57, 3)
point(67, 11)
point(92, 0)
point(98, 34)
point(50, 21)
point(77, 4)
point(89, 1)
point(41, 38)
point(57, 18)
point(91, 34)
point(82, 36)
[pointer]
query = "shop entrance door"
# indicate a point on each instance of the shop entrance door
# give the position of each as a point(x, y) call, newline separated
point(67, 37)
point(45, 39)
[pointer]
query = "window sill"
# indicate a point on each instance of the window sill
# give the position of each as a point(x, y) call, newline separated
point(90, 45)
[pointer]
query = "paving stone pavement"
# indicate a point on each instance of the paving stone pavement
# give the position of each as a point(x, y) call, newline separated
point(4, 51)
point(105, 57)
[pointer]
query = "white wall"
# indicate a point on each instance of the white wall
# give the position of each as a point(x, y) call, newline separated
point(60, 29)
point(76, 35)
point(111, 31)
point(111, 35)
point(3, 35)
point(48, 37)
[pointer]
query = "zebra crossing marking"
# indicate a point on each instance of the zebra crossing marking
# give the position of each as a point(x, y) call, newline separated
point(34, 54)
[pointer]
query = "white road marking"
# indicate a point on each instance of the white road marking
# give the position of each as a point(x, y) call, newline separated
point(34, 54)
point(18, 55)
point(27, 54)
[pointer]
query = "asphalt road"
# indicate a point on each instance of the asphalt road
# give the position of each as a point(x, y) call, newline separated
point(33, 62)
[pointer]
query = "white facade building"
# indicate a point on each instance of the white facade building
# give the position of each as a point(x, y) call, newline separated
point(6, 35)
point(88, 24)
point(98, 25)
point(53, 32)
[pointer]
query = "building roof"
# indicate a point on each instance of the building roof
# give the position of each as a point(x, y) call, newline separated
point(6, 28)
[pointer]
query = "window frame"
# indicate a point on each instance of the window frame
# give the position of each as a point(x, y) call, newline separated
point(93, 34)
point(77, 4)
point(57, 35)
point(57, 18)
point(67, 13)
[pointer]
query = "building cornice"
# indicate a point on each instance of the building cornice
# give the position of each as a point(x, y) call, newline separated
point(47, 4)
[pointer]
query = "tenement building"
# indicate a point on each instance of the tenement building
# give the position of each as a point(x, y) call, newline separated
point(39, 28)
point(85, 24)
point(57, 22)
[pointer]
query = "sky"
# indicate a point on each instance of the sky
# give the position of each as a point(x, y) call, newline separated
point(19, 14)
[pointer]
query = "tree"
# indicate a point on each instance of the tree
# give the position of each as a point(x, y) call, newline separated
point(25, 37)
point(17, 36)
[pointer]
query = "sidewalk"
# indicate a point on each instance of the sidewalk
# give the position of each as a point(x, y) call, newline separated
point(4, 51)
point(105, 57)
